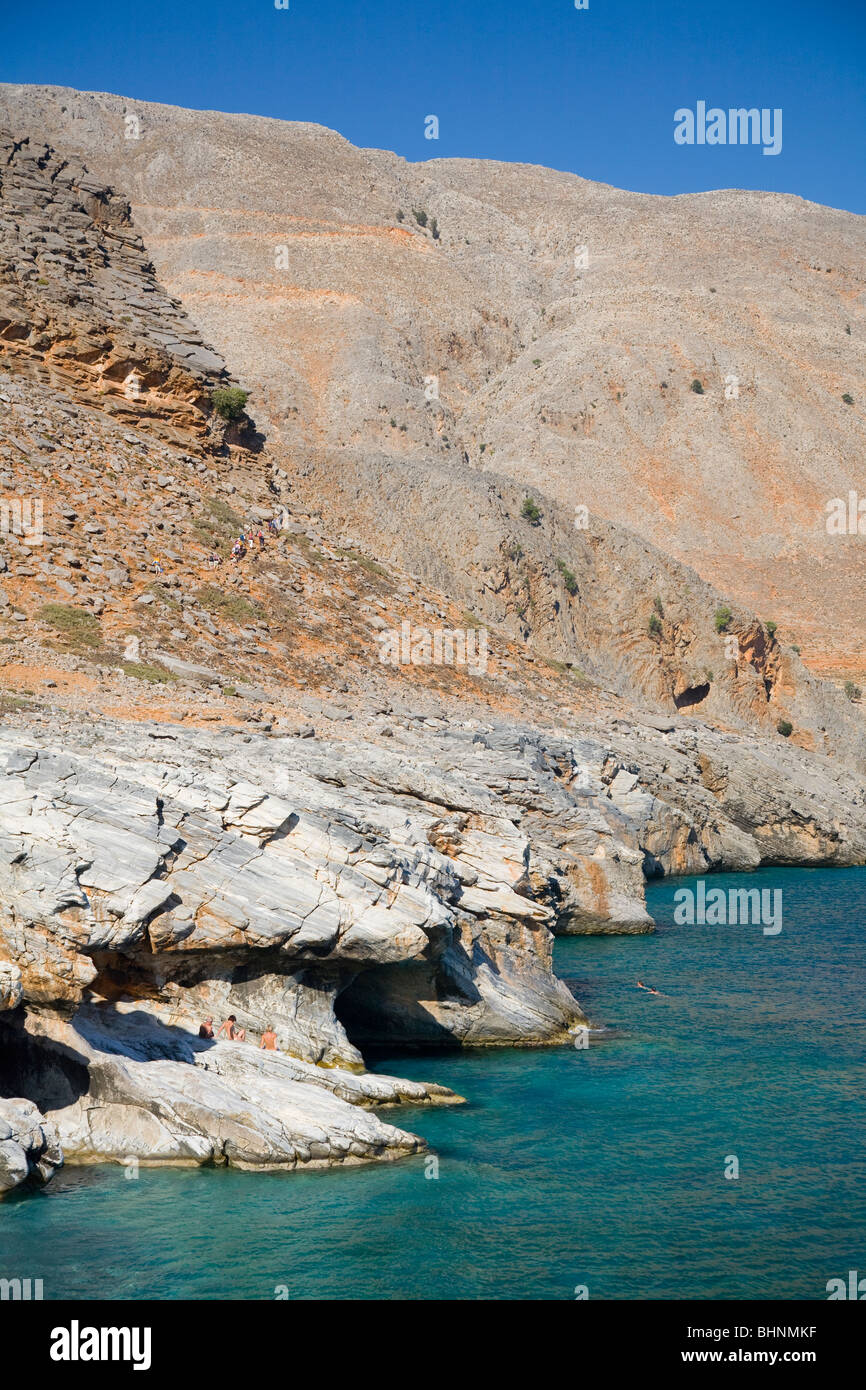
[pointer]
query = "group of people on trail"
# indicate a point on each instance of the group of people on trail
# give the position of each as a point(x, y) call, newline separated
point(251, 541)
point(234, 1033)
point(248, 540)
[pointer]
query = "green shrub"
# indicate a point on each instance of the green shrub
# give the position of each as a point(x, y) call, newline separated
point(655, 626)
point(569, 579)
point(470, 619)
point(401, 216)
point(11, 704)
point(658, 606)
point(222, 512)
point(224, 605)
point(420, 216)
point(142, 671)
point(848, 398)
point(723, 617)
point(852, 691)
point(795, 648)
point(536, 361)
point(217, 524)
point(531, 511)
point(229, 402)
point(434, 227)
point(697, 387)
point(80, 629)
point(164, 595)
point(210, 539)
point(784, 728)
point(369, 566)
point(771, 628)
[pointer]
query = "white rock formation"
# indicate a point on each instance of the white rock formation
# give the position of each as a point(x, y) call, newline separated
point(10, 985)
point(29, 1146)
point(346, 894)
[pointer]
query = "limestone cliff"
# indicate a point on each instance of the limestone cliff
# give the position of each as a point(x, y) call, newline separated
point(217, 796)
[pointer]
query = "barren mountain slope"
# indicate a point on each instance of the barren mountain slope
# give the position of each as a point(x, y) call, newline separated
point(283, 242)
point(80, 310)
point(214, 792)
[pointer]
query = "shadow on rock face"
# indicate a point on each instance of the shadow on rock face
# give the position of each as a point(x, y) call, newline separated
point(52, 1079)
point(693, 695)
point(397, 1004)
point(137, 1034)
point(50, 1070)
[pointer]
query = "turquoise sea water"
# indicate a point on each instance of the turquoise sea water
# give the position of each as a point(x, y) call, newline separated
point(602, 1167)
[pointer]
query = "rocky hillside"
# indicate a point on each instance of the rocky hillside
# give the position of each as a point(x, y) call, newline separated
point(596, 599)
point(80, 305)
point(241, 780)
point(394, 318)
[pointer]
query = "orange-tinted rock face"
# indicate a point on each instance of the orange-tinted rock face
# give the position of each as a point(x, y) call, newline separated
point(225, 784)
point(493, 345)
point(80, 305)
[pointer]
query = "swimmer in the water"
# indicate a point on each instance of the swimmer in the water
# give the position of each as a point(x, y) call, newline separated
point(648, 988)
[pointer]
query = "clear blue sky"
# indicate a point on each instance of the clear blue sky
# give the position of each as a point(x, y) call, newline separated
point(592, 91)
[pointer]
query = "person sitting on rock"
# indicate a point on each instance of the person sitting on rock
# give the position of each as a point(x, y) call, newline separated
point(269, 1040)
point(206, 1029)
point(230, 1030)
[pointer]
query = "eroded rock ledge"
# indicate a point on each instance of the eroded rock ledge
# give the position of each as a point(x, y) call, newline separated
point(122, 1084)
point(346, 893)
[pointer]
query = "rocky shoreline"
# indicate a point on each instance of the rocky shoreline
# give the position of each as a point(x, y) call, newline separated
point(349, 892)
point(215, 796)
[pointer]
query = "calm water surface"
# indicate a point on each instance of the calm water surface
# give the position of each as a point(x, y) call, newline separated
point(602, 1167)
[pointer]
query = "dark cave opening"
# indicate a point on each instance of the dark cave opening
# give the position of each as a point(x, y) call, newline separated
point(692, 695)
point(52, 1077)
point(384, 1006)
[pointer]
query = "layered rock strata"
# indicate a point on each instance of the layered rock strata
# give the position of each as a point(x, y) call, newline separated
point(348, 894)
